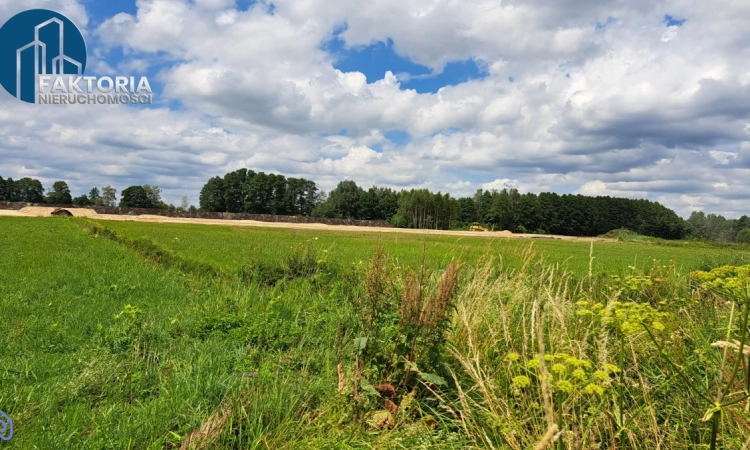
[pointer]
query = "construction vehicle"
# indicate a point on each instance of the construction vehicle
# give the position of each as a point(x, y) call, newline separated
point(476, 227)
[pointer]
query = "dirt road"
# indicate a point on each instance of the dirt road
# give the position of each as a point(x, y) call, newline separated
point(38, 211)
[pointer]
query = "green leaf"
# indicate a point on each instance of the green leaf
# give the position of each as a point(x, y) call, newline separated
point(360, 344)
point(432, 378)
point(367, 388)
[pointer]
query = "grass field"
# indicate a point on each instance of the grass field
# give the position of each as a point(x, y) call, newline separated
point(137, 335)
point(233, 247)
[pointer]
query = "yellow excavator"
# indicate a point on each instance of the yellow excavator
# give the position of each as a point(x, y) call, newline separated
point(476, 227)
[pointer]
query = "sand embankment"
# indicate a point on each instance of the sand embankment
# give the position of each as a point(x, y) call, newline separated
point(40, 211)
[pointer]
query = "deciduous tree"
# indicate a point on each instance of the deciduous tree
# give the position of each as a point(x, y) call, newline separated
point(32, 191)
point(137, 197)
point(109, 196)
point(59, 194)
point(95, 197)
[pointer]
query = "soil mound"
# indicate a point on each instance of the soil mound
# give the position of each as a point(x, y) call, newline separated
point(43, 211)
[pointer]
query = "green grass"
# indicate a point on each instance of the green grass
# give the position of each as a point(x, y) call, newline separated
point(136, 336)
point(68, 384)
point(233, 247)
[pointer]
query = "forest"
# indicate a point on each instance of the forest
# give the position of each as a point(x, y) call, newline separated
point(574, 215)
point(245, 191)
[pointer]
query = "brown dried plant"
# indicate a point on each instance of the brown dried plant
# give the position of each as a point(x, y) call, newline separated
point(377, 288)
point(410, 311)
point(440, 302)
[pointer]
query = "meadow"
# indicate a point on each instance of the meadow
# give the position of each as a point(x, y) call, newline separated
point(137, 335)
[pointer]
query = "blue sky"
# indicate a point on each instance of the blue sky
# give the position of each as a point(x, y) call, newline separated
point(596, 97)
point(375, 59)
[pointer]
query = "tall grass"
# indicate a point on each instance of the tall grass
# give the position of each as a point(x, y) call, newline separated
point(134, 337)
point(539, 359)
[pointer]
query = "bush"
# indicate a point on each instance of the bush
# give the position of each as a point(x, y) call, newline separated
point(399, 221)
point(401, 349)
point(82, 201)
point(744, 236)
point(304, 262)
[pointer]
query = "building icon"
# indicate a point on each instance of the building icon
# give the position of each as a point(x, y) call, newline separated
point(48, 52)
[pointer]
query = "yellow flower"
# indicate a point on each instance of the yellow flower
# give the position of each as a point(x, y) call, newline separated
point(601, 375)
point(565, 386)
point(593, 389)
point(521, 381)
point(611, 368)
point(579, 374)
point(512, 357)
point(559, 369)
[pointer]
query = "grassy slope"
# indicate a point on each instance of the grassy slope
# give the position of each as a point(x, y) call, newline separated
point(271, 351)
point(232, 247)
point(66, 386)
point(57, 285)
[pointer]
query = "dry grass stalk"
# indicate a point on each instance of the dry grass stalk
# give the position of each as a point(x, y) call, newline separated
point(549, 410)
point(549, 437)
point(733, 346)
point(739, 419)
point(356, 377)
point(342, 377)
point(206, 435)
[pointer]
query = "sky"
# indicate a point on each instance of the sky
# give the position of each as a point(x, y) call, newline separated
point(638, 98)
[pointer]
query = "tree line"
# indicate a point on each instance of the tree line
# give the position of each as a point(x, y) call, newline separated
point(574, 215)
point(244, 191)
point(712, 227)
point(259, 193)
point(32, 191)
point(507, 209)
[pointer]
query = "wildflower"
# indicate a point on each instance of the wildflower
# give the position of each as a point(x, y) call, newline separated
point(521, 381)
point(512, 357)
point(611, 368)
point(579, 374)
point(593, 389)
point(532, 363)
point(629, 327)
point(576, 362)
point(601, 375)
point(564, 386)
point(559, 369)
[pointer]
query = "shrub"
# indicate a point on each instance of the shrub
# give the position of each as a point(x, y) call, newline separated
point(744, 236)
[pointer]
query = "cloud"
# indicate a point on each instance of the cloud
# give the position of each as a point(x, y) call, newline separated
point(606, 98)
